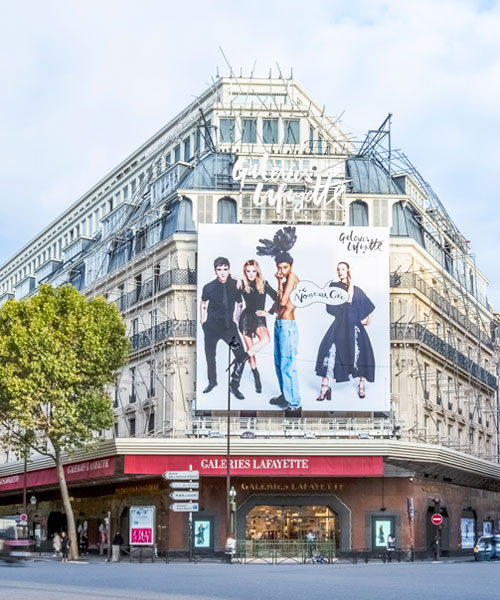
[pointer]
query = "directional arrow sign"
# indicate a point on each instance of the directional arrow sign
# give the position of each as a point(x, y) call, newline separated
point(181, 475)
point(185, 485)
point(185, 507)
point(187, 495)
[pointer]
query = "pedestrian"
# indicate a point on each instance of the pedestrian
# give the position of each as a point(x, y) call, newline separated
point(116, 546)
point(65, 544)
point(230, 548)
point(56, 543)
point(84, 542)
point(311, 539)
point(391, 546)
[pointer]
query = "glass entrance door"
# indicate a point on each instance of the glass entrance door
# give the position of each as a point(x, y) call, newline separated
point(291, 523)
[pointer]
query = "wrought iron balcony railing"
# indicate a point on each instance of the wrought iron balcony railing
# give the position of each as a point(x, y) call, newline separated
point(167, 329)
point(416, 332)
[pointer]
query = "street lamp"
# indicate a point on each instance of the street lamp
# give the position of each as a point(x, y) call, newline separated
point(232, 504)
point(233, 345)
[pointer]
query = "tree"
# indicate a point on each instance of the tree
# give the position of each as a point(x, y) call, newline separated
point(58, 353)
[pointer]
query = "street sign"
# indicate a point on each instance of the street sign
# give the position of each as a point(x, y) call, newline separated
point(181, 475)
point(185, 485)
point(185, 507)
point(436, 519)
point(187, 495)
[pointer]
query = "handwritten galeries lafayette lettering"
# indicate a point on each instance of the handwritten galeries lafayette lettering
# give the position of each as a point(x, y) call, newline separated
point(278, 464)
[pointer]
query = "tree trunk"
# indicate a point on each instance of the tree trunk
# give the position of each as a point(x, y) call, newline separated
point(68, 509)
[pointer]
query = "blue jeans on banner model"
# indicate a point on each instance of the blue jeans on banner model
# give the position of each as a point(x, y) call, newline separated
point(286, 339)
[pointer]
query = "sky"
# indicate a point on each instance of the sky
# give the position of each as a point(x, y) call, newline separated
point(85, 82)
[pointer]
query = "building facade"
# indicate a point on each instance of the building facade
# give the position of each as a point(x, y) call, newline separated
point(262, 152)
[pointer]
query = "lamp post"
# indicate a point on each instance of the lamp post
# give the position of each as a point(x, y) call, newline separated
point(232, 503)
point(231, 346)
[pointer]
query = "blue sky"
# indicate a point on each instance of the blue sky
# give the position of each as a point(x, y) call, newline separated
point(86, 82)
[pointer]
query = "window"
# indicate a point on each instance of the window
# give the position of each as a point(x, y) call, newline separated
point(226, 131)
point(151, 423)
point(226, 211)
point(311, 139)
point(131, 427)
point(125, 194)
point(320, 145)
point(115, 428)
point(358, 213)
point(197, 141)
point(249, 133)
point(132, 397)
point(177, 153)
point(438, 387)
point(187, 149)
point(135, 326)
point(270, 131)
point(292, 131)
point(152, 378)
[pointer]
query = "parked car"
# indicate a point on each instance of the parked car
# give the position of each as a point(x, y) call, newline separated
point(487, 547)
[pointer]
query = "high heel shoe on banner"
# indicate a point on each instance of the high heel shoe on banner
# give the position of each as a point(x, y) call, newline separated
point(325, 393)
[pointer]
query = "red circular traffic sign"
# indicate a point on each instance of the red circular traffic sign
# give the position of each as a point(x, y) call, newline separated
point(436, 519)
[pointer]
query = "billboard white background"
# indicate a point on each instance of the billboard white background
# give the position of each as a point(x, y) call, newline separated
point(316, 253)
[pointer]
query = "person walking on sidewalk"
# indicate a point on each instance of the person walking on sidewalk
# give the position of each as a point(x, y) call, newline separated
point(65, 544)
point(116, 547)
point(391, 546)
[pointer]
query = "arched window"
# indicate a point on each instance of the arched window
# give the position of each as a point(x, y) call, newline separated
point(405, 223)
point(226, 211)
point(358, 213)
point(185, 216)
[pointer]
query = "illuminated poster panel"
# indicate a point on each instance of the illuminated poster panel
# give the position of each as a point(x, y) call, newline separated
point(142, 525)
point(309, 304)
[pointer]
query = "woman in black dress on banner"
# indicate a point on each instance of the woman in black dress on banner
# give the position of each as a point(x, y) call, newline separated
point(345, 350)
point(252, 323)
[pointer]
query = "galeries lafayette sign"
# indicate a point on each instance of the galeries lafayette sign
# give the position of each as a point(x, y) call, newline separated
point(88, 469)
point(298, 466)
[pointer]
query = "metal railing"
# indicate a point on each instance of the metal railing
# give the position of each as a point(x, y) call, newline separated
point(415, 331)
point(268, 427)
point(156, 284)
point(162, 331)
point(412, 280)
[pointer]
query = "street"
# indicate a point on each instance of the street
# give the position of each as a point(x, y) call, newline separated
point(207, 581)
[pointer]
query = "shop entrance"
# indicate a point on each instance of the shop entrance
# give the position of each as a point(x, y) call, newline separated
point(291, 523)
point(277, 521)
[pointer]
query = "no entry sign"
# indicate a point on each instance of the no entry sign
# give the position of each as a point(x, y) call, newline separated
point(436, 519)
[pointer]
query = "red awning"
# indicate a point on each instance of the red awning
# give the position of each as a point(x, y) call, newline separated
point(296, 466)
point(89, 469)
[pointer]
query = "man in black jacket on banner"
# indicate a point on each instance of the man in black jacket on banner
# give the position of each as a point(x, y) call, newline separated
point(220, 308)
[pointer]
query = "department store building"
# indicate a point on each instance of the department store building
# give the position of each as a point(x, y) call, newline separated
point(262, 154)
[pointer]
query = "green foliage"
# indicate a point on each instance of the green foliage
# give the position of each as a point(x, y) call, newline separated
point(58, 352)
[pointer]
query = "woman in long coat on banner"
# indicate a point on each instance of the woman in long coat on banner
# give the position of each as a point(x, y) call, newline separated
point(345, 350)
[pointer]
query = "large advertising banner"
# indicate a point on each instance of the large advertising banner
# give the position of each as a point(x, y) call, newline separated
point(297, 316)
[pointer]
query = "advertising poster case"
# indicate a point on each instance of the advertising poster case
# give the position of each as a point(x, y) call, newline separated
point(202, 531)
point(467, 533)
point(301, 313)
point(382, 528)
point(142, 525)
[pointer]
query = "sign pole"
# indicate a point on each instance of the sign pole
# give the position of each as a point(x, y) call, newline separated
point(190, 530)
point(228, 451)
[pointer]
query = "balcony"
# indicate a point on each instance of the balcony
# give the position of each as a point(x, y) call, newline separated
point(412, 280)
point(307, 428)
point(418, 333)
point(163, 331)
point(154, 285)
